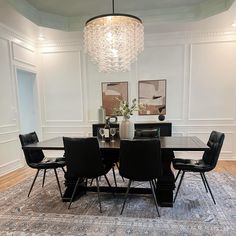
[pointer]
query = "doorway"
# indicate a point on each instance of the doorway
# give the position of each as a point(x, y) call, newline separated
point(28, 101)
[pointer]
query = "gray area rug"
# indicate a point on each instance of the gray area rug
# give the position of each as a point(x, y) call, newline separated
point(194, 213)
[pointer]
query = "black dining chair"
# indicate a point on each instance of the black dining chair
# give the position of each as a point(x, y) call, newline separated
point(36, 159)
point(146, 133)
point(108, 158)
point(140, 160)
point(205, 164)
point(83, 160)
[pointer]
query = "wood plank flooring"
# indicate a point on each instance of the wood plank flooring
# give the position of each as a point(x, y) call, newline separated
point(20, 175)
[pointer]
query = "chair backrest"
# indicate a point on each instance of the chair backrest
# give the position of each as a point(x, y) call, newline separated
point(146, 133)
point(31, 156)
point(82, 156)
point(215, 142)
point(140, 159)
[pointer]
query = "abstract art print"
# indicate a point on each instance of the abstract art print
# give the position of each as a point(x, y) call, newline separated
point(152, 97)
point(112, 92)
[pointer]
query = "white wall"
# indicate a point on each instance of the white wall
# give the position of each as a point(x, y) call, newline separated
point(199, 67)
point(16, 51)
point(200, 73)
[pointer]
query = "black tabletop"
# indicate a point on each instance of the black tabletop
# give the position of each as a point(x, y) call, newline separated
point(183, 143)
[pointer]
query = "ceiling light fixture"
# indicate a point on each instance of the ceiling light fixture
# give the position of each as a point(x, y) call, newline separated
point(113, 41)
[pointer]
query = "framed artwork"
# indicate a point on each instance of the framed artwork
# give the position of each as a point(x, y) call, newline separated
point(152, 97)
point(111, 92)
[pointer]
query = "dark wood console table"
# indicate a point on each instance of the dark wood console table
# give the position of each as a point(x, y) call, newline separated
point(165, 127)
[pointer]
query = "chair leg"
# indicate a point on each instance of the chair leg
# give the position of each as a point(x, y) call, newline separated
point(63, 170)
point(114, 176)
point(74, 191)
point(177, 176)
point(182, 176)
point(203, 180)
point(35, 177)
point(44, 174)
point(109, 185)
point(91, 182)
point(126, 195)
point(99, 198)
point(107, 181)
point(59, 187)
point(154, 195)
point(119, 169)
point(208, 187)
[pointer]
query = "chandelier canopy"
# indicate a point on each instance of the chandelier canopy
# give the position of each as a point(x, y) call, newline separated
point(113, 41)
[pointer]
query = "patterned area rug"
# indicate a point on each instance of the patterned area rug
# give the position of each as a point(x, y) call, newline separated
point(194, 213)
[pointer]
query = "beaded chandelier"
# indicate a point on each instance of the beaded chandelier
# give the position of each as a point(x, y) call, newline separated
point(113, 41)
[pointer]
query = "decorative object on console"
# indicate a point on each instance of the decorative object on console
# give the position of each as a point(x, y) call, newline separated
point(113, 41)
point(101, 115)
point(126, 127)
point(112, 119)
point(107, 130)
point(152, 96)
point(112, 93)
point(161, 117)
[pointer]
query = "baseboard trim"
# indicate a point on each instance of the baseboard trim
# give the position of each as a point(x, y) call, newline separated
point(10, 166)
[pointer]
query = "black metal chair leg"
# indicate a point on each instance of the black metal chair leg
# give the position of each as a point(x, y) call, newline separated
point(208, 187)
point(35, 177)
point(63, 170)
point(74, 191)
point(107, 181)
point(44, 174)
point(177, 176)
point(99, 198)
point(109, 185)
point(119, 169)
point(154, 195)
point(114, 176)
point(126, 195)
point(55, 171)
point(91, 182)
point(203, 180)
point(182, 176)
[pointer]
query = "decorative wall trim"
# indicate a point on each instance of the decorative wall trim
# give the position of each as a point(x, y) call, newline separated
point(80, 89)
point(190, 81)
point(12, 35)
point(7, 126)
point(9, 132)
point(10, 166)
point(189, 37)
point(14, 56)
point(184, 80)
point(62, 126)
point(8, 141)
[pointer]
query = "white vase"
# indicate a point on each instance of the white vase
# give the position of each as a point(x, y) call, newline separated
point(126, 129)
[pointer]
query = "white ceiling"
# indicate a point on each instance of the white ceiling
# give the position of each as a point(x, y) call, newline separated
point(71, 15)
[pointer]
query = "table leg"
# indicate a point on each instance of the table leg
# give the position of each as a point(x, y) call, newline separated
point(166, 183)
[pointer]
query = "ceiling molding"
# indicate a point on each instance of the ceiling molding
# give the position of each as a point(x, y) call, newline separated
point(155, 16)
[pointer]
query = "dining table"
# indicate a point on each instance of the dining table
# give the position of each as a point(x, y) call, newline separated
point(165, 184)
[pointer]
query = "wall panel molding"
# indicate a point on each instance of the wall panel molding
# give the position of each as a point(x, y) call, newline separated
point(211, 119)
point(80, 91)
point(10, 166)
point(23, 54)
point(189, 37)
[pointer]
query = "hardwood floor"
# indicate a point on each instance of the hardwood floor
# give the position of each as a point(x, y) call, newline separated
point(20, 175)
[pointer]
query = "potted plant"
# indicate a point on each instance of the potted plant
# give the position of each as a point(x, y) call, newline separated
point(126, 127)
